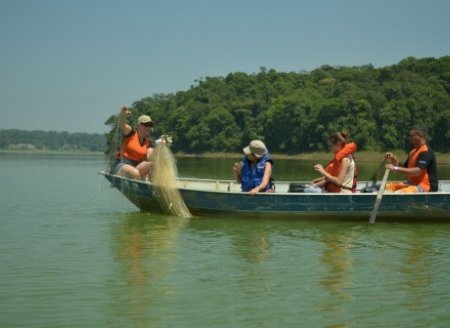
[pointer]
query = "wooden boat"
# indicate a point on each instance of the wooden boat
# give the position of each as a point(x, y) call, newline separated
point(210, 196)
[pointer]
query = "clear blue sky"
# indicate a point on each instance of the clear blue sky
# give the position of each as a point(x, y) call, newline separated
point(68, 65)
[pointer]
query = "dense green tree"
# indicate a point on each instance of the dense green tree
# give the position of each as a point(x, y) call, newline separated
point(296, 112)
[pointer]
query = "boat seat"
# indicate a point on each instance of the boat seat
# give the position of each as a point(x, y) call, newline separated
point(297, 187)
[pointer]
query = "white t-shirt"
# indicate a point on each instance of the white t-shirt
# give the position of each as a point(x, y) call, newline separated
point(349, 175)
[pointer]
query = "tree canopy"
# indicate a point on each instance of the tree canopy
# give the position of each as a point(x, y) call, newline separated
point(294, 112)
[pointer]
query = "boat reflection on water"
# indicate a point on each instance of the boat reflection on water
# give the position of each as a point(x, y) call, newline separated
point(254, 246)
point(337, 258)
point(146, 247)
point(337, 278)
point(225, 269)
point(399, 261)
point(416, 272)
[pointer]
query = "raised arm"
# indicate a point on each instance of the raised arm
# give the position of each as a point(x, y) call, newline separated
point(237, 168)
point(124, 126)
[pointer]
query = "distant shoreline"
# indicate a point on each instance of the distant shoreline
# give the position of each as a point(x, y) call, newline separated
point(51, 152)
point(361, 156)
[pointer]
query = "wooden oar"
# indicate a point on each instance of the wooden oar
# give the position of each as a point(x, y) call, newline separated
point(373, 215)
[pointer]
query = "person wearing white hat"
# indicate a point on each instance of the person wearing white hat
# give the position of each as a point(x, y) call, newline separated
point(254, 173)
point(133, 160)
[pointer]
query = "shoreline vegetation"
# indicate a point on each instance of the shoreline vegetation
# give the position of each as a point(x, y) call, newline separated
point(296, 112)
point(361, 156)
point(51, 152)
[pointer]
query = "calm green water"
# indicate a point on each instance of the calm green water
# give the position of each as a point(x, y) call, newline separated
point(75, 253)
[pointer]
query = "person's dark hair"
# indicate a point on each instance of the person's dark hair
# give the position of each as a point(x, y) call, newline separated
point(339, 138)
point(420, 130)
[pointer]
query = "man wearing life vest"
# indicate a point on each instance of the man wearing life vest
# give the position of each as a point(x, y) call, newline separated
point(419, 168)
point(340, 175)
point(133, 160)
point(255, 171)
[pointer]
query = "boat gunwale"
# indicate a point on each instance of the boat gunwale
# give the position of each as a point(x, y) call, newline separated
point(274, 194)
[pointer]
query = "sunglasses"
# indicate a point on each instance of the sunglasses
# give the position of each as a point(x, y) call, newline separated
point(148, 125)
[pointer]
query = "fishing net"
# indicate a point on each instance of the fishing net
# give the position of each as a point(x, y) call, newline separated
point(163, 177)
point(113, 144)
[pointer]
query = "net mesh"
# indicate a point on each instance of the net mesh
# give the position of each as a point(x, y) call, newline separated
point(114, 145)
point(163, 176)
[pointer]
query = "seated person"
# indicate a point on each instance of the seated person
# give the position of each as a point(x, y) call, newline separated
point(419, 168)
point(340, 175)
point(255, 171)
point(133, 159)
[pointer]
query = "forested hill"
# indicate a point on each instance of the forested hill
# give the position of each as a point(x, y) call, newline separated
point(51, 140)
point(294, 112)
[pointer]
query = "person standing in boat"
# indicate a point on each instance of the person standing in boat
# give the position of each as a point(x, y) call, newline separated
point(254, 173)
point(419, 168)
point(133, 159)
point(340, 175)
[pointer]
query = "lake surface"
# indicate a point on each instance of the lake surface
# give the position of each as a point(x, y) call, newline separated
point(75, 253)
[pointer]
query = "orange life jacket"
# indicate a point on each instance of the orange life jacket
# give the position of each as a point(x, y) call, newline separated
point(422, 179)
point(132, 149)
point(334, 166)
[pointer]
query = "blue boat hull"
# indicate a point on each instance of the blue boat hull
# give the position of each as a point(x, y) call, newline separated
point(424, 205)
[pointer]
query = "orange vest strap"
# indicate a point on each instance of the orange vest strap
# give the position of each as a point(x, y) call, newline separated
point(334, 166)
point(422, 179)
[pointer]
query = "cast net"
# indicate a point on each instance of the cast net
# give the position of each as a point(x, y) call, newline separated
point(163, 177)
